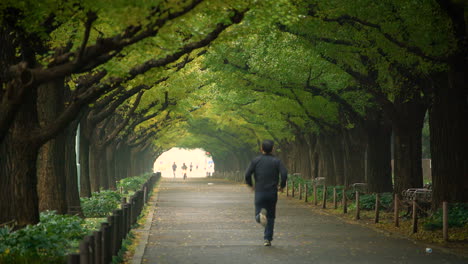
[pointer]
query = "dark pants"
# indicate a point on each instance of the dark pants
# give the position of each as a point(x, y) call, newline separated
point(268, 201)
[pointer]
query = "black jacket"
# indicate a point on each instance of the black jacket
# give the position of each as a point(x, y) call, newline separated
point(266, 169)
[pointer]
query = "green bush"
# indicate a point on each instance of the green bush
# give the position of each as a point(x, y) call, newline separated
point(132, 184)
point(47, 242)
point(367, 201)
point(457, 217)
point(101, 204)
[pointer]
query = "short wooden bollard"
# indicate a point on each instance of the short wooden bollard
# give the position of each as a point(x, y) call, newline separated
point(377, 207)
point(132, 209)
point(292, 189)
point(73, 259)
point(324, 197)
point(124, 215)
point(396, 210)
point(113, 234)
point(128, 220)
point(335, 204)
point(345, 202)
point(306, 192)
point(97, 247)
point(358, 216)
point(84, 251)
point(445, 220)
point(300, 191)
point(106, 243)
point(415, 216)
point(315, 195)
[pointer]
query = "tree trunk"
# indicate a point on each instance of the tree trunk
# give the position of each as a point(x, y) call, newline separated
point(50, 163)
point(338, 158)
point(449, 136)
point(354, 148)
point(407, 129)
point(110, 164)
point(94, 162)
point(102, 169)
point(71, 175)
point(18, 167)
point(379, 170)
point(85, 183)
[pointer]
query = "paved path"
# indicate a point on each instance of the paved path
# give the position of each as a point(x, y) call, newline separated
point(211, 221)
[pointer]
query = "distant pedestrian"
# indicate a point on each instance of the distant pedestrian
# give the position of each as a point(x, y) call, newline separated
point(174, 168)
point(266, 169)
point(184, 169)
point(191, 166)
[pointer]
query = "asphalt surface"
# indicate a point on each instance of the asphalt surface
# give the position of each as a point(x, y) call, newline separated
point(212, 221)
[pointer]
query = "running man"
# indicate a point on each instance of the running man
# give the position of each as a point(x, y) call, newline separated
point(266, 169)
point(184, 169)
point(174, 168)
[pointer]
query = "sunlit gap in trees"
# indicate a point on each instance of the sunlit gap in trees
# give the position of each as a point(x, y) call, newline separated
point(202, 163)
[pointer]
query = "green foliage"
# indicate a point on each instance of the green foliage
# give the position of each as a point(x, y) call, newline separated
point(132, 184)
point(367, 201)
point(100, 204)
point(47, 242)
point(457, 217)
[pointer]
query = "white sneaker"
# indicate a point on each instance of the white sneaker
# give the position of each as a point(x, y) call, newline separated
point(263, 217)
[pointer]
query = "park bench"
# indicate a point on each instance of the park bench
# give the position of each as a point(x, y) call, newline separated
point(422, 196)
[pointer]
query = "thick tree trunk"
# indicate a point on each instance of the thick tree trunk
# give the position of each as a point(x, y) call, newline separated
point(110, 164)
point(50, 163)
point(95, 156)
point(379, 170)
point(85, 182)
point(407, 129)
point(102, 169)
point(326, 168)
point(338, 160)
point(71, 175)
point(449, 137)
point(354, 147)
point(18, 166)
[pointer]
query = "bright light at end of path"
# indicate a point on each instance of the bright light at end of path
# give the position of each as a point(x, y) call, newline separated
point(202, 164)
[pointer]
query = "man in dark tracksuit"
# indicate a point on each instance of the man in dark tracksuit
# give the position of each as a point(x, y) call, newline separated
point(266, 169)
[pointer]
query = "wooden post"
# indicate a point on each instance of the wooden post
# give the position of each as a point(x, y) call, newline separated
point(84, 251)
point(128, 220)
point(357, 206)
point(396, 210)
point(300, 191)
point(345, 202)
point(377, 205)
point(106, 243)
point(73, 259)
point(287, 189)
point(145, 194)
point(292, 189)
point(112, 220)
point(97, 247)
point(415, 216)
point(324, 202)
point(445, 220)
point(306, 192)
point(124, 216)
point(335, 204)
point(315, 195)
